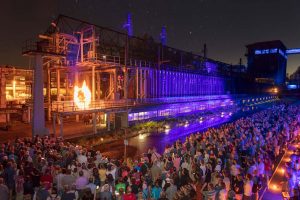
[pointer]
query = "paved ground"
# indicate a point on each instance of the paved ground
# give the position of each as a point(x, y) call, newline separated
point(71, 129)
point(273, 192)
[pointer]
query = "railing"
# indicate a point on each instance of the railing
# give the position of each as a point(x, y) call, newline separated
point(70, 106)
point(33, 46)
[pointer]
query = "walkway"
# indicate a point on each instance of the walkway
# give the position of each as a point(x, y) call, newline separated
point(275, 183)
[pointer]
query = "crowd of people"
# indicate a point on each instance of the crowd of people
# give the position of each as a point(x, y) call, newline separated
point(229, 162)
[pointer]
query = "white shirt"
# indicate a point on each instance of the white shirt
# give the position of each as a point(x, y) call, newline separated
point(82, 159)
point(112, 172)
point(185, 165)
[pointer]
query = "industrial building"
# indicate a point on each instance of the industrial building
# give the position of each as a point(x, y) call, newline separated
point(81, 69)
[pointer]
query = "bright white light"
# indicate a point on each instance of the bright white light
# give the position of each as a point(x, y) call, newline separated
point(82, 96)
point(186, 124)
point(141, 136)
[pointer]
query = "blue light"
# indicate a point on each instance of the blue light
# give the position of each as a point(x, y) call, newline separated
point(257, 52)
point(271, 51)
point(265, 51)
point(163, 36)
point(128, 25)
point(292, 86)
point(293, 51)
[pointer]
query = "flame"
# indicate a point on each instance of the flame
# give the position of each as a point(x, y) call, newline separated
point(82, 96)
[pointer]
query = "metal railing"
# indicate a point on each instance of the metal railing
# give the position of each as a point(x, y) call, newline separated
point(70, 106)
point(30, 46)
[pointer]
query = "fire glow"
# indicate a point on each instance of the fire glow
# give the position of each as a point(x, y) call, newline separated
point(82, 96)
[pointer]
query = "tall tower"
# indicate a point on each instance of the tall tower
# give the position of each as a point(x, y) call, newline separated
point(128, 25)
point(163, 36)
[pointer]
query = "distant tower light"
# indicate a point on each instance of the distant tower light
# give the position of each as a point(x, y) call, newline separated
point(128, 25)
point(163, 36)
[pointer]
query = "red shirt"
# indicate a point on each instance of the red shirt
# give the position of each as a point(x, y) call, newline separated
point(130, 196)
point(48, 179)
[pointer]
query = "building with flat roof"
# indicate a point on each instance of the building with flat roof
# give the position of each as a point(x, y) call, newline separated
point(267, 61)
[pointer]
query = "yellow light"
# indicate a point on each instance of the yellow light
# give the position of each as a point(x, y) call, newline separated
point(14, 89)
point(101, 139)
point(82, 96)
point(282, 170)
point(287, 160)
point(274, 187)
point(275, 90)
point(141, 136)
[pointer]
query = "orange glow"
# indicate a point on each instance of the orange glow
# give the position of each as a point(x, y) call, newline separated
point(282, 170)
point(287, 160)
point(274, 187)
point(82, 96)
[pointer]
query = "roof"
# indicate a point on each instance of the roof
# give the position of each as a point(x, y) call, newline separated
point(267, 45)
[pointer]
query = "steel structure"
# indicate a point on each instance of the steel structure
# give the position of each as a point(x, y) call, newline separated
point(121, 69)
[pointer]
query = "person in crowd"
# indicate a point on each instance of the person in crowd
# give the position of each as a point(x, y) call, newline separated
point(248, 187)
point(4, 191)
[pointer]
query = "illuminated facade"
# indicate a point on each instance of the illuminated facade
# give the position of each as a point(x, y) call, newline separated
point(17, 84)
point(15, 92)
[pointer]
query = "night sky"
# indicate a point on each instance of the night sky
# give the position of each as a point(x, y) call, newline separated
point(225, 25)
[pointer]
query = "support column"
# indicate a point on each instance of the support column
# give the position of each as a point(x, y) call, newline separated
point(156, 83)
point(137, 83)
point(58, 84)
point(94, 123)
point(98, 86)
point(125, 83)
point(49, 92)
point(61, 119)
point(115, 85)
point(93, 84)
point(67, 85)
point(141, 83)
point(76, 83)
point(145, 83)
point(28, 114)
point(54, 124)
point(108, 121)
point(38, 126)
